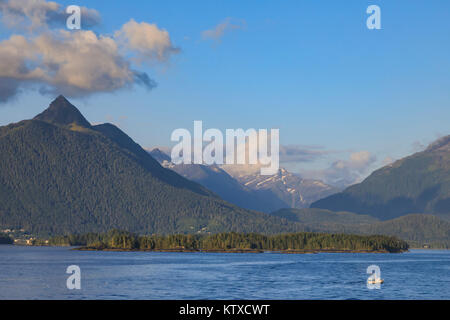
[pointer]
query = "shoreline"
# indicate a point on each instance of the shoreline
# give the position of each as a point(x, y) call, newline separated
point(231, 242)
point(237, 250)
point(83, 248)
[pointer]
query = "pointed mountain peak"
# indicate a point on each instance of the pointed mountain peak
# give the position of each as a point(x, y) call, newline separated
point(62, 112)
point(60, 100)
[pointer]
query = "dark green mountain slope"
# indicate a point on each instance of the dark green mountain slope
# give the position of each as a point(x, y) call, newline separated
point(417, 229)
point(414, 228)
point(60, 175)
point(314, 216)
point(144, 159)
point(418, 183)
point(62, 112)
point(322, 220)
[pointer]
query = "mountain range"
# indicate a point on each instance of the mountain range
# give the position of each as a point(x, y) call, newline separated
point(253, 190)
point(290, 188)
point(408, 198)
point(60, 174)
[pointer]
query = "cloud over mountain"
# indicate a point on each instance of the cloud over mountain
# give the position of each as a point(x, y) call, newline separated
point(346, 172)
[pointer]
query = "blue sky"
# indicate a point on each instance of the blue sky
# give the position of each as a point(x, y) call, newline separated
point(310, 68)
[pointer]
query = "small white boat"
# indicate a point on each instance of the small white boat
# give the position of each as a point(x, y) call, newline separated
point(375, 281)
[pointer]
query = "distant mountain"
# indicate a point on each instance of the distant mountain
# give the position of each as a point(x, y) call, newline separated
point(291, 189)
point(417, 229)
point(321, 220)
point(416, 184)
point(221, 183)
point(254, 191)
point(159, 155)
point(317, 216)
point(59, 174)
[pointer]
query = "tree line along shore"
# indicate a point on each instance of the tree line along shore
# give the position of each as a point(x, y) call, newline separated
point(301, 242)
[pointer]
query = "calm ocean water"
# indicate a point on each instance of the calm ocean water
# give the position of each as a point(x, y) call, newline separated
point(39, 273)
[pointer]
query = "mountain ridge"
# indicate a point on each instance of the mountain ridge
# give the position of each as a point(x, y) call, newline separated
point(419, 183)
point(418, 230)
point(255, 192)
point(62, 112)
point(57, 178)
point(291, 189)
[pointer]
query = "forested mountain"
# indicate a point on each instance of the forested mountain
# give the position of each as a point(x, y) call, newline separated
point(59, 174)
point(315, 216)
point(414, 228)
point(417, 229)
point(416, 184)
point(61, 112)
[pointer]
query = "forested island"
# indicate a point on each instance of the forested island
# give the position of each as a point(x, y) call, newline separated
point(303, 242)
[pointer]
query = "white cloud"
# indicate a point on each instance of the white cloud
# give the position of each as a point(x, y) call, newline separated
point(289, 154)
point(36, 14)
point(222, 28)
point(345, 172)
point(74, 63)
point(147, 40)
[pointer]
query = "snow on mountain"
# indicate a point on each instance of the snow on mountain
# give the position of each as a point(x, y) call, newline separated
point(247, 188)
point(293, 190)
